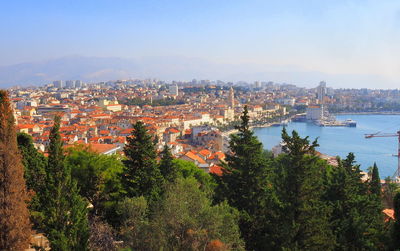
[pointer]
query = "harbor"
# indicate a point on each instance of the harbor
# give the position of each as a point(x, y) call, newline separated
point(322, 118)
point(340, 140)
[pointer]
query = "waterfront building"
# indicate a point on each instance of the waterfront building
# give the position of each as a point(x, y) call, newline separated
point(314, 112)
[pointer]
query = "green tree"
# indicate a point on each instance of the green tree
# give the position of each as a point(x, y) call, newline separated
point(168, 168)
point(35, 174)
point(187, 169)
point(65, 213)
point(141, 176)
point(300, 185)
point(376, 231)
point(185, 220)
point(34, 163)
point(15, 229)
point(134, 222)
point(246, 185)
point(375, 182)
point(98, 176)
point(356, 218)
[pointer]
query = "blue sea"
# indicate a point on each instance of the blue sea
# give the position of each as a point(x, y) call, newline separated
point(339, 141)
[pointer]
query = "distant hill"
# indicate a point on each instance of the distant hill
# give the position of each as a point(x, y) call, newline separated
point(94, 69)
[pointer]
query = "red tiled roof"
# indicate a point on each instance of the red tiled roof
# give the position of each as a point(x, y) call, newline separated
point(215, 169)
point(389, 213)
point(204, 152)
point(195, 157)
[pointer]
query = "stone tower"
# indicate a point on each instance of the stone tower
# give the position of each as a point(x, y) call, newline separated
point(231, 98)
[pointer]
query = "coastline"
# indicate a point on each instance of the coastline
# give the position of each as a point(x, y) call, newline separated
point(233, 131)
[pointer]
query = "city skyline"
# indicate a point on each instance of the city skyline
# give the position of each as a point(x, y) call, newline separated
point(347, 43)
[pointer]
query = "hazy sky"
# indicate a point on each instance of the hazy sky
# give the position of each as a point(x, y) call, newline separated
point(330, 36)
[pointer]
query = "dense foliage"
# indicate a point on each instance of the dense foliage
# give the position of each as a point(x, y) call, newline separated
point(35, 175)
point(64, 210)
point(98, 176)
point(246, 185)
point(142, 175)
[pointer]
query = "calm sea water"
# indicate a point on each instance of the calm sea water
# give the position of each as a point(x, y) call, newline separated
point(339, 141)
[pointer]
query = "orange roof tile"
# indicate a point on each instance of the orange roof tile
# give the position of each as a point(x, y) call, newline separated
point(204, 152)
point(215, 169)
point(388, 212)
point(195, 157)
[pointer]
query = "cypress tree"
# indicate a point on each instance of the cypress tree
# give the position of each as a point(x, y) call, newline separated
point(141, 177)
point(245, 184)
point(65, 212)
point(15, 228)
point(375, 183)
point(168, 168)
point(374, 210)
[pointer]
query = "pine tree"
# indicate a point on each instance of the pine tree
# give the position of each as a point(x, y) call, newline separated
point(246, 186)
point(65, 212)
point(356, 218)
point(299, 183)
point(168, 168)
point(141, 177)
point(15, 228)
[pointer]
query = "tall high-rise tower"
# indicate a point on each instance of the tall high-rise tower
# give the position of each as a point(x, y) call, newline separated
point(321, 92)
point(231, 98)
point(173, 89)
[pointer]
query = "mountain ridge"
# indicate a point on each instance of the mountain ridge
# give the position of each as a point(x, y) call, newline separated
point(95, 69)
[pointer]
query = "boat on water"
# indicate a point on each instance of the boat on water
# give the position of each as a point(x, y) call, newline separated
point(282, 123)
point(335, 123)
point(350, 123)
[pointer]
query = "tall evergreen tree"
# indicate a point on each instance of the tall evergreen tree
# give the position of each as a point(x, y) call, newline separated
point(141, 177)
point(35, 174)
point(374, 210)
point(245, 184)
point(375, 183)
point(300, 185)
point(168, 168)
point(356, 218)
point(15, 228)
point(65, 221)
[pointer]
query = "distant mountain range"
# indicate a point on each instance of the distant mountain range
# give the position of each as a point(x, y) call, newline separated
point(94, 69)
